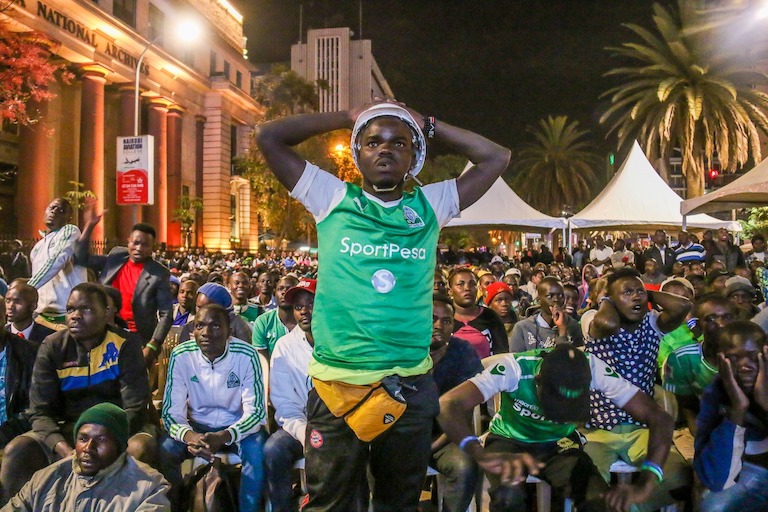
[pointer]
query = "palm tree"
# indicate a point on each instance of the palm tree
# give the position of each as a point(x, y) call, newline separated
point(556, 169)
point(683, 89)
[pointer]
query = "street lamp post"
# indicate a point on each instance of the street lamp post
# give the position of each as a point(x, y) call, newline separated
point(136, 86)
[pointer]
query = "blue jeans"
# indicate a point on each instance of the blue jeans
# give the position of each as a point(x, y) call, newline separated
point(251, 452)
point(748, 494)
point(281, 451)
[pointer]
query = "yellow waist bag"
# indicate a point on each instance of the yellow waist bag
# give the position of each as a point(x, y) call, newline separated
point(368, 410)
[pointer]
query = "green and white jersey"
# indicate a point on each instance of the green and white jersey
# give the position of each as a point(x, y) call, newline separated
point(373, 306)
point(673, 340)
point(267, 329)
point(686, 372)
point(520, 416)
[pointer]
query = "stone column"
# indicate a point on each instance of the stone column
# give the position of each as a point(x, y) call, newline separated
point(174, 172)
point(199, 151)
point(92, 135)
point(157, 214)
point(34, 181)
point(127, 216)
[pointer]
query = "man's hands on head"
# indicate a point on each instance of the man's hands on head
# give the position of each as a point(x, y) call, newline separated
point(355, 113)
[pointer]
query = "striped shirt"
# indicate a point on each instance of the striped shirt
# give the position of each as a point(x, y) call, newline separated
point(689, 253)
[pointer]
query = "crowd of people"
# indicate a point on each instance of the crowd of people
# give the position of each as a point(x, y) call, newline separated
point(572, 359)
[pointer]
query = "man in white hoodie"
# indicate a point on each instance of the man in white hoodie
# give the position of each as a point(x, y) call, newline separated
point(290, 385)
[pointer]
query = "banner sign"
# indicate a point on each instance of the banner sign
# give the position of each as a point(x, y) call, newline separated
point(136, 170)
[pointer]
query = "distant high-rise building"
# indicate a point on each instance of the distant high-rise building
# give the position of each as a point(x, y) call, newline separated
point(345, 67)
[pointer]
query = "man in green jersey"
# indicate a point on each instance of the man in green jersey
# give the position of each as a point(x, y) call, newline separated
point(273, 325)
point(691, 368)
point(377, 244)
point(240, 287)
point(544, 394)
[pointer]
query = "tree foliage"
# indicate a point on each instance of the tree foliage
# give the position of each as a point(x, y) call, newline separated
point(683, 90)
point(26, 71)
point(757, 222)
point(556, 169)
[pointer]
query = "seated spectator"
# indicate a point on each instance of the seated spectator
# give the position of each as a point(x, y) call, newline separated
point(484, 278)
point(20, 305)
point(288, 391)
point(742, 294)
point(544, 395)
point(626, 335)
point(551, 326)
point(499, 299)
point(454, 362)
point(571, 303)
point(213, 293)
point(532, 285)
point(214, 400)
point(83, 365)
point(732, 433)
point(689, 369)
point(694, 267)
point(240, 288)
point(17, 359)
point(272, 325)
point(480, 326)
point(588, 274)
point(184, 309)
point(699, 283)
point(114, 305)
point(265, 299)
point(99, 476)
point(174, 283)
point(683, 335)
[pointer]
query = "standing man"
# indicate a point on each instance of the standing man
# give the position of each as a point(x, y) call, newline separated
point(665, 257)
point(688, 251)
point(16, 264)
point(54, 272)
point(378, 244)
point(600, 255)
point(725, 252)
point(144, 284)
point(622, 256)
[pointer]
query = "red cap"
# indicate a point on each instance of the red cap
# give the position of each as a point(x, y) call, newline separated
point(307, 285)
point(494, 289)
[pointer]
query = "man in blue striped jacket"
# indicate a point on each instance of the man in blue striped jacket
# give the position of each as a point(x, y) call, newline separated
point(214, 401)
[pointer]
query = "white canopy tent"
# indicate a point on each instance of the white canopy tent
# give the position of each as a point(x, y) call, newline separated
point(500, 207)
point(638, 199)
point(748, 191)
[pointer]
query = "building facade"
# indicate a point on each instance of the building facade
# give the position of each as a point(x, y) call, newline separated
point(194, 100)
point(344, 66)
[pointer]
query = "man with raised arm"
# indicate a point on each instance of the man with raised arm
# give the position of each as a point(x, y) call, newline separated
point(371, 358)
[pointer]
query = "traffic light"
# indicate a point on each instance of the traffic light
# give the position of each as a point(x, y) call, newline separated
point(711, 176)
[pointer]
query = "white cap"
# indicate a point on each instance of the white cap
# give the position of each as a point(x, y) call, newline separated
point(391, 110)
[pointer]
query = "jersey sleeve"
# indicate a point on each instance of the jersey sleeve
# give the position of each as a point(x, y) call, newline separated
point(444, 199)
point(319, 191)
point(605, 379)
point(502, 376)
point(674, 376)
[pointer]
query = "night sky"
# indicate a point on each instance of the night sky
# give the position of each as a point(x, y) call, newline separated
point(490, 66)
